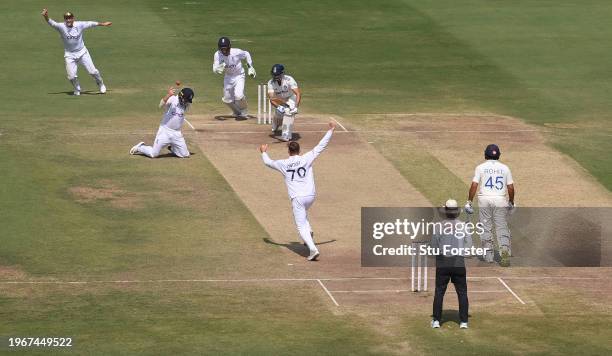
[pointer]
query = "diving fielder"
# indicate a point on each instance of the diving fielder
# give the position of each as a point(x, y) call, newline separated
point(75, 52)
point(285, 96)
point(299, 179)
point(228, 61)
point(493, 182)
point(169, 133)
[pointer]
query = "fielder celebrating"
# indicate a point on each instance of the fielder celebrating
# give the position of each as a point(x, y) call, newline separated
point(299, 179)
point(228, 60)
point(285, 96)
point(75, 51)
point(169, 133)
point(493, 181)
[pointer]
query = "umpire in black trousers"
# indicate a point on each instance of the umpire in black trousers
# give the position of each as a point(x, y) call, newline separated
point(451, 267)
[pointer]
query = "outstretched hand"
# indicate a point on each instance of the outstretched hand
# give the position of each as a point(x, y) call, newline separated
point(263, 148)
point(104, 23)
point(171, 91)
point(45, 13)
point(332, 125)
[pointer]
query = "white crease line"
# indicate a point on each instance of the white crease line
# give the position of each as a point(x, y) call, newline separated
point(257, 280)
point(338, 122)
point(396, 132)
point(510, 290)
point(328, 293)
point(408, 290)
point(230, 124)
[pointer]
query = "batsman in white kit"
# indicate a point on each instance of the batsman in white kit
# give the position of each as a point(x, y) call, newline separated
point(75, 51)
point(299, 178)
point(285, 96)
point(169, 133)
point(495, 186)
point(228, 61)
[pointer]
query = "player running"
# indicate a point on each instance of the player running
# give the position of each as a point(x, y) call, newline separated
point(495, 201)
point(169, 133)
point(75, 51)
point(299, 179)
point(228, 60)
point(285, 96)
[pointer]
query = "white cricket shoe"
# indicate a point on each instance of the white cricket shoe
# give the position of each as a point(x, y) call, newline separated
point(102, 89)
point(134, 149)
point(435, 324)
point(463, 326)
point(76, 93)
point(313, 256)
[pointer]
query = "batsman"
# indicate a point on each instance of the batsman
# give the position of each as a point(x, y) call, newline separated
point(495, 186)
point(285, 96)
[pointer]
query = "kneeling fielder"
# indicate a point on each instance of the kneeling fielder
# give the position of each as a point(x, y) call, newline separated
point(299, 179)
point(169, 133)
point(285, 96)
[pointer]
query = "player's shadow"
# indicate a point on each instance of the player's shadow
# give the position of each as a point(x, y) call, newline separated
point(450, 315)
point(296, 247)
point(71, 93)
point(296, 137)
point(165, 155)
point(230, 117)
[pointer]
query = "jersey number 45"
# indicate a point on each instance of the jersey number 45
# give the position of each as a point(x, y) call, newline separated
point(499, 183)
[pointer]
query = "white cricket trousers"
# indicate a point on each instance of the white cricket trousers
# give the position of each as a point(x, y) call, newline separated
point(233, 88)
point(166, 137)
point(300, 214)
point(83, 58)
point(494, 210)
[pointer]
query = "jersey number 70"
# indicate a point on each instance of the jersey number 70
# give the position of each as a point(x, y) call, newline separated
point(301, 172)
point(499, 182)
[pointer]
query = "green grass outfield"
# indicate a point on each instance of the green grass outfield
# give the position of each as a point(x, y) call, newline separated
point(543, 61)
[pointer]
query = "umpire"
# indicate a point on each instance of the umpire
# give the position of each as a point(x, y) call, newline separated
point(451, 267)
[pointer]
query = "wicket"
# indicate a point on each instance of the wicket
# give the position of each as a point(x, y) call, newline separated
point(264, 107)
point(419, 263)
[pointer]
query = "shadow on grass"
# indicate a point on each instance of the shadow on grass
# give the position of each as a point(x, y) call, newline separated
point(450, 315)
point(71, 93)
point(228, 117)
point(296, 247)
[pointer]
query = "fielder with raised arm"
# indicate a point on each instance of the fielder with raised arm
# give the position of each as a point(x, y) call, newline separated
point(169, 133)
point(228, 61)
point(75, 52)
point(493, 182)
point(285, 96)
point(299, 178)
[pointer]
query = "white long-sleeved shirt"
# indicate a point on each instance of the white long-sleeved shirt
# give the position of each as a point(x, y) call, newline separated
point(72, 36)
point(174, 115)
point(297, 169)
point(233, 61)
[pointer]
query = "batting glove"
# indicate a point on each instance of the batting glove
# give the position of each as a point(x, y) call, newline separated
point(468, 207)
point(219, 69)
point(511, 207)
point(293, 111)
point(252, 72)
point(281, 109)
